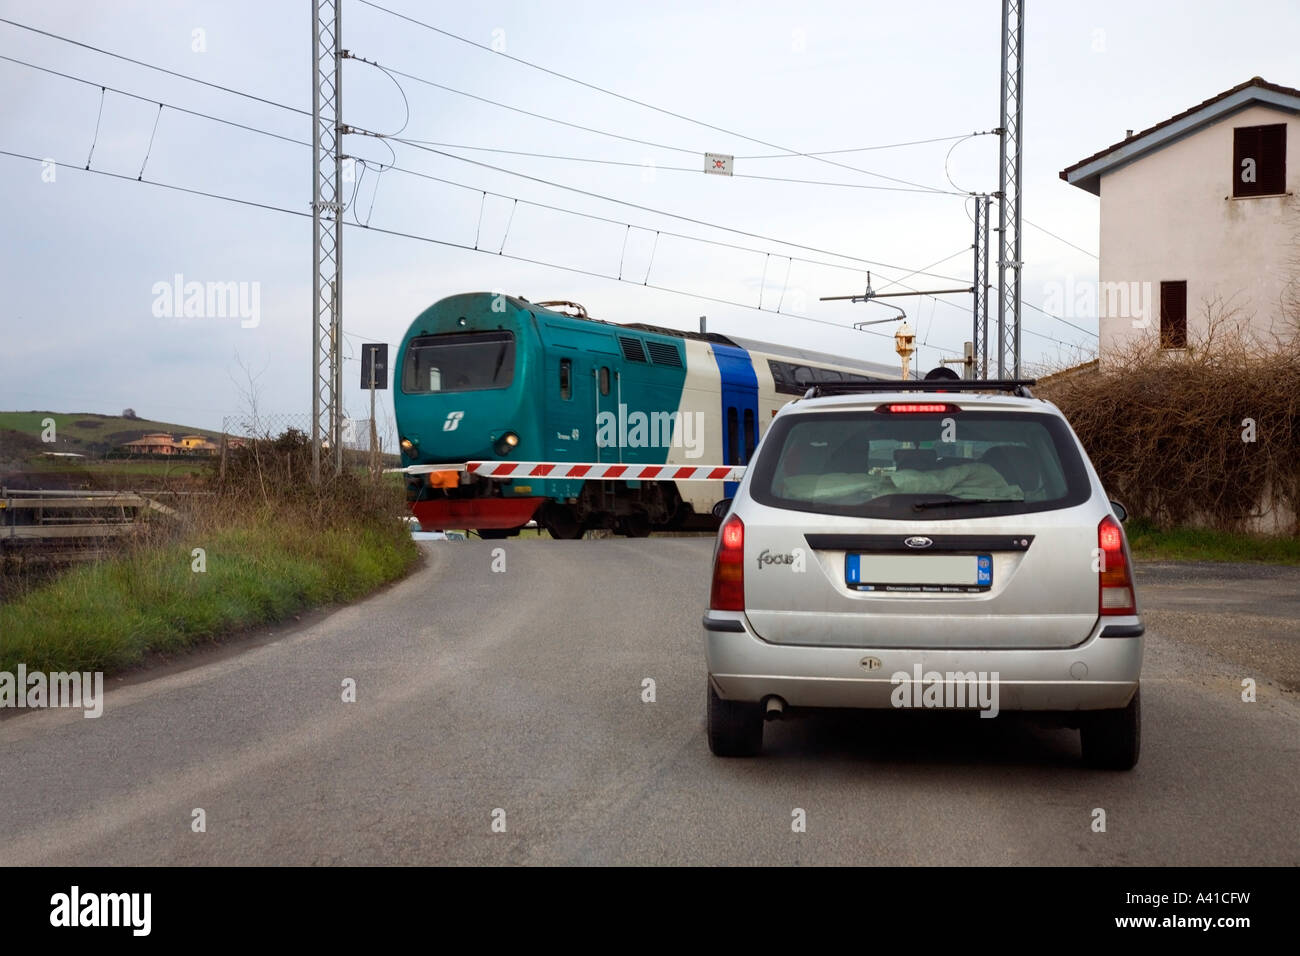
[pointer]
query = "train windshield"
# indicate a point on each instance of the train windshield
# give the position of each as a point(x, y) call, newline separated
point(459, 362)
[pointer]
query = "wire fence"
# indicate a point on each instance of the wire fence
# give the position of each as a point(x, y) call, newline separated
point(356, 431)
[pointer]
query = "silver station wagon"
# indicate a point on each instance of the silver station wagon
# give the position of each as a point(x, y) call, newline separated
point(924, 544)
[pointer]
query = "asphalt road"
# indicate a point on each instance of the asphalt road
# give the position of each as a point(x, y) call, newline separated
point(480, 692)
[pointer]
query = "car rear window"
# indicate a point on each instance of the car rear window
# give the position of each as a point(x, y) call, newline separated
point(922, 466)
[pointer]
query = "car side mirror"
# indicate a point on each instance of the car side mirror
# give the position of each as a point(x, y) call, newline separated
point(721, 508)
point(1120, 511)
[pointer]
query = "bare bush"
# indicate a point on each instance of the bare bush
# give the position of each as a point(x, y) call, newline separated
point(1208, 435)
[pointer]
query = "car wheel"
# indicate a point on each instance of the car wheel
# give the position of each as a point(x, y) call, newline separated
point(735, 727)
point(1112, 739)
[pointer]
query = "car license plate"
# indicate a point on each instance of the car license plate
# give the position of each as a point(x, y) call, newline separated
point(926, 573)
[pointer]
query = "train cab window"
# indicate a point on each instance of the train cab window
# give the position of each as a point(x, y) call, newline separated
point(750, 441)
point(733, 437)
point(604, 380)
point(459, 362)
point(566, 379)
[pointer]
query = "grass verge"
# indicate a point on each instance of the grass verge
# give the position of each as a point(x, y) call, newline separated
point(273, 544)
point(1149, 543)
point(110, 615)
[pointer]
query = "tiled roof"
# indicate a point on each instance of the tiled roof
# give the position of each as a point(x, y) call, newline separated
point(1086, 173)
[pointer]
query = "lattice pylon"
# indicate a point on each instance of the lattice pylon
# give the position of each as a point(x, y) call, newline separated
point(327, 236)
point(980, 317)
point(1009, 178)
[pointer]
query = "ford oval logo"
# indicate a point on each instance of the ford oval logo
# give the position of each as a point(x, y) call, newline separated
point(919, 541)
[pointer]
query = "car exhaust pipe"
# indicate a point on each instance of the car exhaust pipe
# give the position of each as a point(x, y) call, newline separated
point(773, 708)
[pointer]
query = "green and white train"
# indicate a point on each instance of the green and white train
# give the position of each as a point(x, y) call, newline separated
point(482, 376)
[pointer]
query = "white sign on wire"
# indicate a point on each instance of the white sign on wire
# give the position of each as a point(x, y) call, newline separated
point(719, 164)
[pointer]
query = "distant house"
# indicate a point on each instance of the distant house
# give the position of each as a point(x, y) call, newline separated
point(1197, 209)
point(162, 443)
point(197, 445)
point(155, 443)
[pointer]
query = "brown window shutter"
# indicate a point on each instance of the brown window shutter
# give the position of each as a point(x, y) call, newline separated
point(1265, 148)
point(1272, 163)
point(1173, 315)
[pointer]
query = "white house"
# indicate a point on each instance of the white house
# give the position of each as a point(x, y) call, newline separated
point(1197, 209)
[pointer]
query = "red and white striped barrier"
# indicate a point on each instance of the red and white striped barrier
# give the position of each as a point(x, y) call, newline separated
point(587, 471)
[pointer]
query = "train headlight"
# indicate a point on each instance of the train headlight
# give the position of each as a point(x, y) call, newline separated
point(408, 446)
point(506, 443)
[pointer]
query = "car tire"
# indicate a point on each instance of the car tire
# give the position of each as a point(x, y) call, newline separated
point(1112, 739)
point(735, 728)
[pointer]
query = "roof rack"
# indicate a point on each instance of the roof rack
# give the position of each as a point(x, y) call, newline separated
point(1016, 386)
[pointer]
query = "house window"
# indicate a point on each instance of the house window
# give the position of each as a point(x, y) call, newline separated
point(566, 379)
point(1173, 315)
point(1259, 160)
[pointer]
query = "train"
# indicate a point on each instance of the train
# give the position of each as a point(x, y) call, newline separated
point(489, 376)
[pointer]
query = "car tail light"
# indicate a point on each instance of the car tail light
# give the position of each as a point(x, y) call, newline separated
point(917, 408)
point(1115, 579)
point(729, 567)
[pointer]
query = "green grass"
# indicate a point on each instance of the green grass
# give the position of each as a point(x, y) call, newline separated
point(121, 466)
point(115, 613)
point(1196, 544)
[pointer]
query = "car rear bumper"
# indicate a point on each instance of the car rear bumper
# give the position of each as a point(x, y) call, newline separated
point(1099, 674)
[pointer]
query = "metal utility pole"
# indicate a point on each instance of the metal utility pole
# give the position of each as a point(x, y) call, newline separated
point(1009, 143)
point(980, 336)
point(327, 235)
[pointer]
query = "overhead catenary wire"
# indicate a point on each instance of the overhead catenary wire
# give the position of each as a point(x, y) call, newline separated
point(680, 169)
point(632, 205)
point(152, 135)
point(98, 116)
point(393, 167)
point(151, 66)
point(788, 151)
point(435, 241)
point(1049, 232)
point(246, 127)
point(633, 100)
point(688, 150)
point(153, 99)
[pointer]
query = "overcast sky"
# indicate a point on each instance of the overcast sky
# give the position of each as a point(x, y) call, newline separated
point(82, 256)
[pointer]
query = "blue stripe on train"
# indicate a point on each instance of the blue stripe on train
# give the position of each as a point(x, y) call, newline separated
point(739, 395)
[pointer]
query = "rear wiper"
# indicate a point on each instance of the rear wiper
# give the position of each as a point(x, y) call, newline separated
point(954, 502)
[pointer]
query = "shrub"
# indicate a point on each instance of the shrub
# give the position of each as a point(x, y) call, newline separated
point(1171, 435)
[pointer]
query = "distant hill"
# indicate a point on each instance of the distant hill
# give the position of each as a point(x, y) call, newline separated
point(83, 433)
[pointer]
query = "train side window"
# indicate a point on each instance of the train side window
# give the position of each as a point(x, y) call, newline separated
point(566, 379)
point(733, 437)
point(749, 435)
point(604, 380)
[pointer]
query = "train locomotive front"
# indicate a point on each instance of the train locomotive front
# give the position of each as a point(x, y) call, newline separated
point(464, 376)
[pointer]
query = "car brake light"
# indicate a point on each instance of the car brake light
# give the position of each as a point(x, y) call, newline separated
point(729, 567)
point(911, 408)
point(1114, 579)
